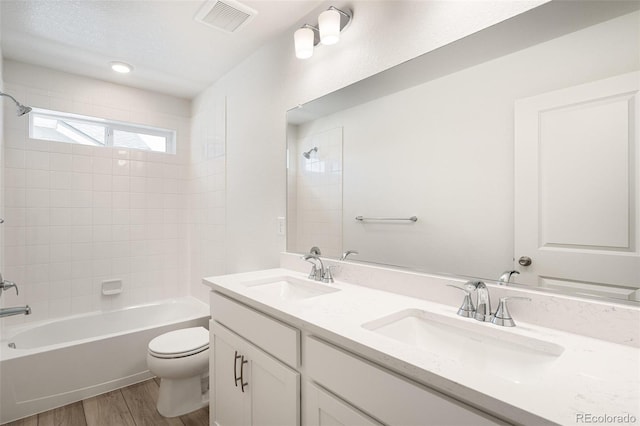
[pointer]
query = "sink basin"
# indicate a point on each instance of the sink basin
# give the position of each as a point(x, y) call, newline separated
point(484, 347)
point(289, 288)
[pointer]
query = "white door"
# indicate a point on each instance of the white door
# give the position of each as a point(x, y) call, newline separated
point(576, 187)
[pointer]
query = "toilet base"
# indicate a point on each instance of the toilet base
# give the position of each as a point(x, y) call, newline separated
point(181, 396)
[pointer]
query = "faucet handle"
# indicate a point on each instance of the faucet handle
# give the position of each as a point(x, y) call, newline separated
point(328, 274)
point(502, 316)
point(313, 273)
point(6, 285)
point(467, 309)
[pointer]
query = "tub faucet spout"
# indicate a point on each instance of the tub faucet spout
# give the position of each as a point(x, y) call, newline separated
point(19, 310)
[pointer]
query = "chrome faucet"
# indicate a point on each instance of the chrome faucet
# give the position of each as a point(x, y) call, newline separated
point(7, 312)
point(315, 274)
point(505, 278)
point(483, 302)
point(323, 274)
point(482, 309)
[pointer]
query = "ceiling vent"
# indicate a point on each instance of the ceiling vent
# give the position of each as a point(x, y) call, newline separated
point(226, 15)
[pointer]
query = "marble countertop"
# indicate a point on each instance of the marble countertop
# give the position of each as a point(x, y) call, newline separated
point(590, 377)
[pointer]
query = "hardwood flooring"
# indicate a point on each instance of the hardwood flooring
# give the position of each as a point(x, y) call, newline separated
point(134, 405)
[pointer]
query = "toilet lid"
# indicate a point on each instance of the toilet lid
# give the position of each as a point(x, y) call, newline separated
point(182, 342)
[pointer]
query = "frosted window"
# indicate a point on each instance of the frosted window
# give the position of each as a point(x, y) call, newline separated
point(71, 128)
point(61, 130)
point(136, 140)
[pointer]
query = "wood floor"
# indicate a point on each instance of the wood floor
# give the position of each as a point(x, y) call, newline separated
point(131, 406)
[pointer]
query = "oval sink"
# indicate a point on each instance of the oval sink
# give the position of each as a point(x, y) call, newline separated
point(483, 346)
point(289, 288)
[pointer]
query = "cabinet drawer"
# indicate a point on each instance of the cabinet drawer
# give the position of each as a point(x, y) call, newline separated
point(323, 409)
point(383, 394)
point(272, 336)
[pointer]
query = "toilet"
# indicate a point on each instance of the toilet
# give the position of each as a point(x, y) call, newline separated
point(180, 359)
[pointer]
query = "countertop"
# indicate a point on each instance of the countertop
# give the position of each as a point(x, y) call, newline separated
point(590, 377)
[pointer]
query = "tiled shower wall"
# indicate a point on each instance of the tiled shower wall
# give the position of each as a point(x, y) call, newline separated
point(207, 203)
point(77, 215)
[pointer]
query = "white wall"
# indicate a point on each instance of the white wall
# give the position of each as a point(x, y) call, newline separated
point(237, 194)
point(316, 201)
point(1, 157)
point(271, 81)
point(77, 215)
point(444, 151)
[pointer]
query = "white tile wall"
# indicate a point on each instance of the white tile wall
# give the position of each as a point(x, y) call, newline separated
point(78, 215)
point(207, 201)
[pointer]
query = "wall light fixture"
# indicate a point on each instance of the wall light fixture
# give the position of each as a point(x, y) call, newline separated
point(305, 38)
point(331, 23)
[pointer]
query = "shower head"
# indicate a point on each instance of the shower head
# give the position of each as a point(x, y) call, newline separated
point(307, 154)
point(22, 110)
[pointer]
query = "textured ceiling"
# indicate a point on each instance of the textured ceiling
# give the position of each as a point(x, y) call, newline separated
point(171, 52)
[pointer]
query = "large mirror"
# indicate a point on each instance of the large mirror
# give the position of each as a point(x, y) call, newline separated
point(512, 149)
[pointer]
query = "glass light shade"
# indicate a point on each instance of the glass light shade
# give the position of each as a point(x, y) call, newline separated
point(303, 40)
point(329, 23)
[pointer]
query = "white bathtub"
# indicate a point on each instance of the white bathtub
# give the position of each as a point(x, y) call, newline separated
point(65, 360)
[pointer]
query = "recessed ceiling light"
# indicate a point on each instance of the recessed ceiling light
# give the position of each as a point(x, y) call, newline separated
point(121, 67)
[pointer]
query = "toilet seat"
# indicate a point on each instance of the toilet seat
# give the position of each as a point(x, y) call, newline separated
point(180, 343)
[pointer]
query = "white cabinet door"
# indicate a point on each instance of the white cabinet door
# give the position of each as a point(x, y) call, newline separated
point(324, 409)
point(271, 394)
point(577, 185)
point(230, 406)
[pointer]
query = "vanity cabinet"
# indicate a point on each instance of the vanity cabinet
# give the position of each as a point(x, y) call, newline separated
point(251, 387)
point(250, 384)
point(257, 373)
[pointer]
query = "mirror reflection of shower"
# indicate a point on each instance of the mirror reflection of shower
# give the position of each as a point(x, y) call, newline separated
point(21, 109)
point(307, 154)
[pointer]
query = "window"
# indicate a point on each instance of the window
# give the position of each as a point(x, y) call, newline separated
point(83, 130)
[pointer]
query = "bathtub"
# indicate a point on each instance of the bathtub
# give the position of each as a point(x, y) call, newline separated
point(53, 363)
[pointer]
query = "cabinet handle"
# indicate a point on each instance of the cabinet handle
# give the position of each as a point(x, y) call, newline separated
point(235, 368)
point(242, 382)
